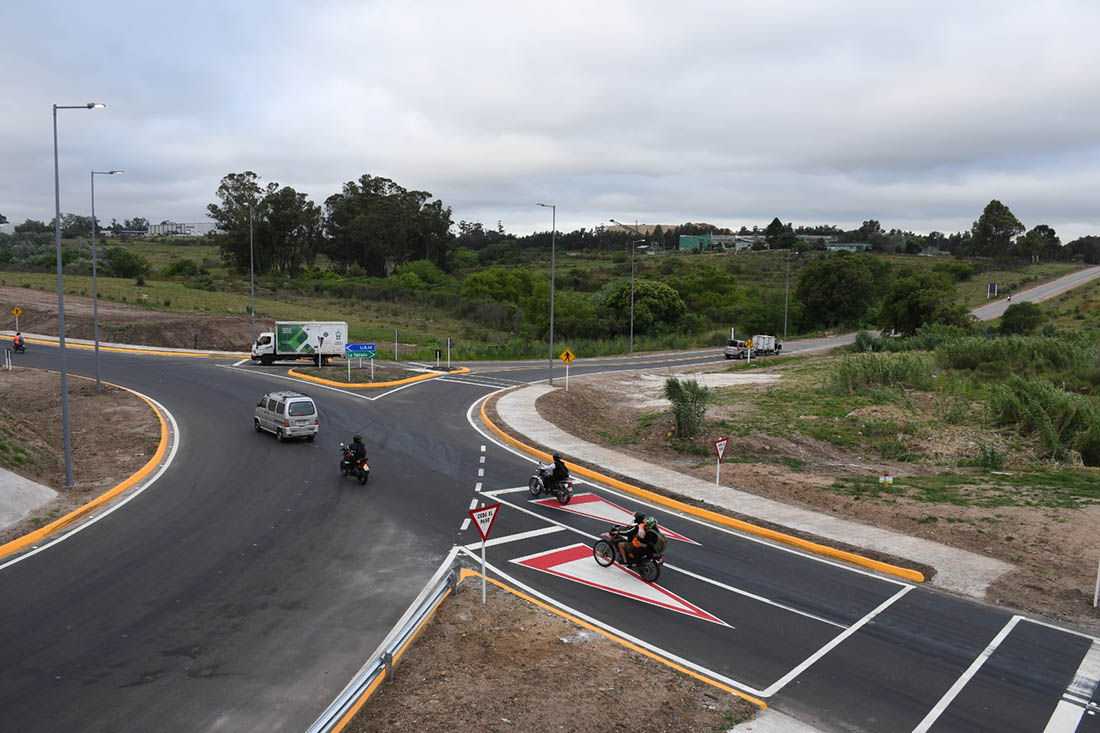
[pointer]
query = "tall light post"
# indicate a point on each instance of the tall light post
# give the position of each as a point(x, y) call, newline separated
point(786, 295)
point(553, 247)
point(251, 278)
point(95, 285)
point(633, 246)
point(61, 293)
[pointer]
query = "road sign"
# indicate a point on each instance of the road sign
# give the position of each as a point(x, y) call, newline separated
point(720, 447)
point(359, 347)
point(567, 357)
point(484, 518)
point(17, 311)
point(748, 343)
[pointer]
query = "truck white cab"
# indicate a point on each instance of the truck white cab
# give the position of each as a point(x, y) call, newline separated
point(317, 341)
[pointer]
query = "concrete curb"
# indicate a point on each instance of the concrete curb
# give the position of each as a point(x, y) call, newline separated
point(372, 385)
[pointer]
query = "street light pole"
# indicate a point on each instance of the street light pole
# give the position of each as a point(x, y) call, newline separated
point(553, 247)
point(95, 285)
point(786, 295)
point(251, 278)
point(633, 246)
point(61, 294)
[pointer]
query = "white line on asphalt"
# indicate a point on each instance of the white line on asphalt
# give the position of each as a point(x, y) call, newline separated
point(477, 486)
point(473, 503)
point(483, 448)
point(812, 659)
point(480, 472)
point(495, 492)
point(238, 363)
point(482, 460)
point(1071, 708)
point(515, 537)
point(470, 382)
point(465, 524)
point(960, 683)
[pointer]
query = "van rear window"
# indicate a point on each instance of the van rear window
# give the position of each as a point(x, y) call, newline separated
point(298, 409)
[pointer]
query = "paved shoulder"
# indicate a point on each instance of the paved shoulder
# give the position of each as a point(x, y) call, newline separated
point(19, 497)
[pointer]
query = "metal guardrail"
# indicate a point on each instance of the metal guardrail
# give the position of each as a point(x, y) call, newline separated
point(381, 661)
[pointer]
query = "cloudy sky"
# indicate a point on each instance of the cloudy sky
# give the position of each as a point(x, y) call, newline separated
point(915, 114)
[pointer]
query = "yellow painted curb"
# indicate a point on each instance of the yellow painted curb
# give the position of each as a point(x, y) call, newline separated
point(467, 573)
point(371, 385)
point(42, 532)
point(819, 549)
point(150, 352)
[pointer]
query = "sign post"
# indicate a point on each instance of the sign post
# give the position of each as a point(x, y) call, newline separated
point(748, 350)
point(483, 520)
point(395, 344)
point(720, 449)
point(450, 343)
point(567, 357)
point(17, 311)
point(886, 479)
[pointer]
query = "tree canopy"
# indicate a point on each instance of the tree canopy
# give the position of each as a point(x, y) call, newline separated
point(995, 230)
point(839, 290)
point(919, 297)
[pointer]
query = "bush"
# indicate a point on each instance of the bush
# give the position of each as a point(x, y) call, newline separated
point(124, 263)
point(181, 268)
point(689, 404)
point(1066, 424)
point(862, 372)
point(1022, 318)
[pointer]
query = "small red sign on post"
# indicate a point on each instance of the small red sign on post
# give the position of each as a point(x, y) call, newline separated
point(484, 518)
point(720, 447)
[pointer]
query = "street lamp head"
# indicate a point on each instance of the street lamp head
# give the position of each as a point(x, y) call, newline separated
point(111, 173)
point(546, 206)
point(96, 105)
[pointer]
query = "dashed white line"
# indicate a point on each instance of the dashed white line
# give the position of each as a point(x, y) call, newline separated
point(497, 492)
point(482, 460)
point(465, 524)
point(473, 503)
point(1067, 716)
point(516, 537)
point(480, 472)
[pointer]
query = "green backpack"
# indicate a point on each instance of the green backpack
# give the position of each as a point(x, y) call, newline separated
point(661, 543)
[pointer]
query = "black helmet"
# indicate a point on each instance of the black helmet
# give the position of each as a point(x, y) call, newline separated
point(557, 456)
point(638, 517)
point(358, 439)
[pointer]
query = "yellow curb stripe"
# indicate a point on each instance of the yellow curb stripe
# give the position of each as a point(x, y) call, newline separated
point(819, 549)
point(42, 532)
point(467, 573)
point(351, 713)
point(133, 350)
point(372, 385)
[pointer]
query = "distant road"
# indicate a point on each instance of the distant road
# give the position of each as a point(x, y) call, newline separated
point(1038, 293)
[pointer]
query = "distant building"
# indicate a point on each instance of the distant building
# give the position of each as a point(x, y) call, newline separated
point(848, 246)
point(172, 228)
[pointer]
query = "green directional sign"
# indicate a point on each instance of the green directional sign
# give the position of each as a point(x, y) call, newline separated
point(358, 354)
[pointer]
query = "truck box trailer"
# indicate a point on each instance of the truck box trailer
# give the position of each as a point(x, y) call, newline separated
point(317, 341)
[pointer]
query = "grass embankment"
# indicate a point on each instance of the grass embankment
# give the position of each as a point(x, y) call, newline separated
point(1011, 421)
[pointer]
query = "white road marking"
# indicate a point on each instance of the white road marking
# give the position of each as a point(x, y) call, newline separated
point(465, 524)
point(477, 486)
point(473, 503)
point(482, 460)
point(515, 537)
point(480, 472)
point(1071, 708)
point(960, 683)
point(813, 658)
point(482, 448)
point(238, 363)
point(496, 492)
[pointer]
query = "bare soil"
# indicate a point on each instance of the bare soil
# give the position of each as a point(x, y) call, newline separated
point(1054, 549)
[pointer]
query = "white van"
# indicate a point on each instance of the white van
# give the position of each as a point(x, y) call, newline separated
point(287, 415)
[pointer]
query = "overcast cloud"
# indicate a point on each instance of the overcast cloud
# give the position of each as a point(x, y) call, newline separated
point(915, 114)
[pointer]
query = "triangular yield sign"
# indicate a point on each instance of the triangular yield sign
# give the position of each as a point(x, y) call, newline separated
point(720, 447)
point(576, 563)
point(484, 518)
point(596, 507)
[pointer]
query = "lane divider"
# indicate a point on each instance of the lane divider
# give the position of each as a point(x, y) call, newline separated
point(138, 350)
point(372, 385)
point(74, 516)
point(818, 549)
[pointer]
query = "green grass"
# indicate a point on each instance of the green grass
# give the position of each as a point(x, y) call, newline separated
point(1053, 489)
point(972, 292)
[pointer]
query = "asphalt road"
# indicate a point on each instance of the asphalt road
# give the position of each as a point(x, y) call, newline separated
point(246, 585)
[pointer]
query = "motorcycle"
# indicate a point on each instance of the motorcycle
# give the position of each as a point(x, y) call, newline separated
point(348, 465)
point(543, 483)
point(19, 348)
point(606, 551)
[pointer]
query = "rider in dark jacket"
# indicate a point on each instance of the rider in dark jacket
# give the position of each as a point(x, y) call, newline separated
point(356, 448)
point(561, 473)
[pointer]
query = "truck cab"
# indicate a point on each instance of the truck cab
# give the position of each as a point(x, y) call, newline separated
point(263, 350)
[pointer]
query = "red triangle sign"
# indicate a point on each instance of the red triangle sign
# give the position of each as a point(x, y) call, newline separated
point(720, 447)
point(484, 518)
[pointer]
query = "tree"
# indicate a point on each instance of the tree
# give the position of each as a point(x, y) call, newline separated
point(1022, 318)
point(689, 404)
point(124, 263)
point(917, 297)
point(240, 194)
point(1087, 248)
point(657, 306)
point(840, 289)
point(1040, 242)
point(773, 232)
point(995, 230)
point(3, 219)
point(33, 226)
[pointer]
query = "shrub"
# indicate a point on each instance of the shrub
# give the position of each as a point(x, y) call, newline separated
point(862, 372)
point(181, 268)
point(1064, 422)
point(689, 404)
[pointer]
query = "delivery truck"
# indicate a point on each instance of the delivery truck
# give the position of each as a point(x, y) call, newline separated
point(317, 341)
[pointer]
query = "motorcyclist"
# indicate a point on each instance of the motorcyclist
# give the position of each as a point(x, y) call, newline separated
point(638, 541)
point(18, 341)
point(561, 473)
point(357, 451)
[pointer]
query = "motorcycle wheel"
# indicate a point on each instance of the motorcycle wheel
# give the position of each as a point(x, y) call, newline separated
point(363, 476)
point(604, 553)
point(534, 486)
point(649, 570)
point(564, 495)
point(343, 470)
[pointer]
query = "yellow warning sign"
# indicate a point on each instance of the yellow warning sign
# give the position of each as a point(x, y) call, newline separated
point(17, 311)
point(748, 343)
point(567, 357)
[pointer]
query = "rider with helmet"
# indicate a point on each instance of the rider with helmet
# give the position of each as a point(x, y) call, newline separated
point(640, 539)
point(561, 473)
point(356, 449)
